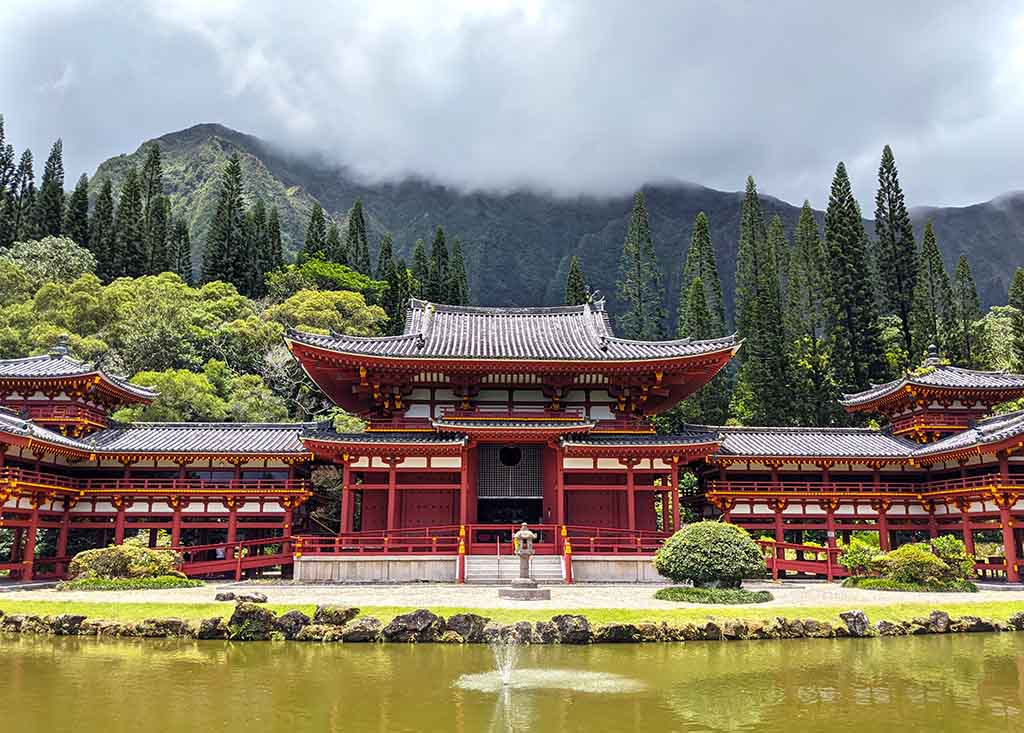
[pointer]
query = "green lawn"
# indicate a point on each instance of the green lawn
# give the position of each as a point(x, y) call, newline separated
point(999, 610)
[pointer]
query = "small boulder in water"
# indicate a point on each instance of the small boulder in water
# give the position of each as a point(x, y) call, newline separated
point(334, 615)
point(573, 629)
point(856, 623)
point(545, 632)
point(419, 626)
point(616, 634)
point(291, 623)
point(469, 626)
point(362, 630)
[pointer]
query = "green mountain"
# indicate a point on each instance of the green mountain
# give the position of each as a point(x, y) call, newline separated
point(518, 245)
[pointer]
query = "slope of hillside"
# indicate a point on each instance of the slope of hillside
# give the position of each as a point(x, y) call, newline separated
point(518, 245)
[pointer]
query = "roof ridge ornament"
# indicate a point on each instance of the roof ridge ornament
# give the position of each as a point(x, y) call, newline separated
point(933, 356)
point(61, 348)
point(428, 318)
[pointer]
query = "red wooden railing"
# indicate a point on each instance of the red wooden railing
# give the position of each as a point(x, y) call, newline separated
point(58, 412)
point(236, 557)
point(22, 476)
point(809, 559)
point(785, 486)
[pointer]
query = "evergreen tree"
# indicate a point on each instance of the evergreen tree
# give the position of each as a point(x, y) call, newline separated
point(8, 188)
point(392, 301)
point(357, 244)
point(437, 279)
point(966, 311)
point(640, 285)
point(22, 226)
point(852, 324)
point(385, 257)
point(814, 396)
point(457, 286)
point(226, 239)
point(101, 232)
point(130, 255)
point(420, 270)
point(762, 395)
point(897, 252)
point(931, 316)
point(334, 249)
point(257, 250)
point(576, 290)
point(76, 218)
point(49, 205)
point(182, 247)
point(700, 263)
point(1017, 301)
point(316, 233)
point(274, 246)
point(161, 258)
point(778, 244)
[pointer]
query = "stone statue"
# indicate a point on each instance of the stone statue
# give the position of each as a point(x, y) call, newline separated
point(524, 588)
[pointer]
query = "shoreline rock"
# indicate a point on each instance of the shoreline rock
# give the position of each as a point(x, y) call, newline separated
point(336, 624)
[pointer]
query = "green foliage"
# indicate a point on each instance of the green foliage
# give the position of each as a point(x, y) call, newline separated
point(952, 551)
point(722, 596)
point(227, 242)
point(897, 251)
point(356, 243)
point(640, 285)
point(905, 587)
point(457, 286)
point(1016, 301)
point(932, 315)
point(76, 217)
point(576, 290)
point(129, 560)
point(436, 283)
point(316, 233)
point(710, 554)
point(49, 204)
point(964, 346)
point(317, 273)
point(913, 563)
point(163, 582)
point(860, 558)
point(336, 310)
point(50, 259)
point(700, 263)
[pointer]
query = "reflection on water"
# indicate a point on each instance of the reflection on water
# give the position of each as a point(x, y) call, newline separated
point(958, 683)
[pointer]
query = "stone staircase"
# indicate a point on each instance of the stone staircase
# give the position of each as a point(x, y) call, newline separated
point(492, 570)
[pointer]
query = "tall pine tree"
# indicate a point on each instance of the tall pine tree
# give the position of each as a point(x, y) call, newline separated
point(761, 395)
point(22, 225)
point(181, 246)
point(316, 233)
point(385, 257)
point(334, 248)
point(965, 346)
point(457, 286)
point(932, 315)
point(640, 285)
point(274, 245)
point(420, 270)
point(897, 252)
point(1016, 300)
point(778, 244)
point(76, 217)
point(814, 396)
point(437, 279)
point(700, 262)
point(356, 242)
point(8, 187)
point(102, 233)
point(852, 325)
point(226, 238)
point(576, 291)
point(49, 205)
point(130, 255)
point(255, 266)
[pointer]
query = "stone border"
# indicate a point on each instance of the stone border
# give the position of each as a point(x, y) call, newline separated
point(252, 622)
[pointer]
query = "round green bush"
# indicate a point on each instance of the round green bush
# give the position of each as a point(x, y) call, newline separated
point(710, 555)
point(914, 564)
point(124, 561)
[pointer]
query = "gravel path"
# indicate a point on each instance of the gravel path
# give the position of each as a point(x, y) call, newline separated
point(793, 594)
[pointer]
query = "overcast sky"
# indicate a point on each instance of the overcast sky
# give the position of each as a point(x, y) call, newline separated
point(587, 96)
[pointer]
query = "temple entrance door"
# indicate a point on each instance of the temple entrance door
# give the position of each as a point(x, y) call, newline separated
point(510, 484)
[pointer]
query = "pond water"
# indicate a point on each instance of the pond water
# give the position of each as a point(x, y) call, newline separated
point(954, 683)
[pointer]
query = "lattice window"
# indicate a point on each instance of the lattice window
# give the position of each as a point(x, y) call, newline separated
point(510, 472)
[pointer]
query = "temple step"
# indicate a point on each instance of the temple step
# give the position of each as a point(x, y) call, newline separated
point(485, 569)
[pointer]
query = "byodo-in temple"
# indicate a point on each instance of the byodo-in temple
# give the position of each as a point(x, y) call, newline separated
point(479, 419)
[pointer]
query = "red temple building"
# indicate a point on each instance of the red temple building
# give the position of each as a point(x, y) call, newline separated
point(481, 418)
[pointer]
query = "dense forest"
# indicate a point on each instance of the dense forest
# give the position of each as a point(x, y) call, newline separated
point(111, 266)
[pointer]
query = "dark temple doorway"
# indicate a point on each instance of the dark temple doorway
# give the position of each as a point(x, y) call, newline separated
point(510, 484)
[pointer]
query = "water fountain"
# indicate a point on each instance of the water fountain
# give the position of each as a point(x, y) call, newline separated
point(506, 653)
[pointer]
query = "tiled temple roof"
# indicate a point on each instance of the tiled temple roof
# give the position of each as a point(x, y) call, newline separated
point(12, 424)
point(991, 430)
point(812, 442)
point(59, 365)
point(237, 438)
point(326, 433)
point(940, 376)
point(456, 424)
point(686, 437)
point(578, 333)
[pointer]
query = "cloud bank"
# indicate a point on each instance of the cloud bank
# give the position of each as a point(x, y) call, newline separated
point(570, 96)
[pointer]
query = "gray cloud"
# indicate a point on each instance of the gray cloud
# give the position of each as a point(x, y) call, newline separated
point(592, 96)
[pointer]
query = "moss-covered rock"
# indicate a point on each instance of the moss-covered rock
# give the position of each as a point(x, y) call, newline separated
point(251, 622)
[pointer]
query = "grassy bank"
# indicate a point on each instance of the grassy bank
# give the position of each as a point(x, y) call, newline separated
point(999, 610)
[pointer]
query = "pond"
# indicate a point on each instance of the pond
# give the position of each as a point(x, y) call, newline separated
point(951, 683)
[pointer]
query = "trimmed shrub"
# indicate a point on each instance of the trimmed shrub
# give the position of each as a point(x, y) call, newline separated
point(952, 551)
point(159, 583)
point(915, 564)
point(860, 558)
point(961, 586)
point(732, 596)
point(124, 561)
point(710, 554)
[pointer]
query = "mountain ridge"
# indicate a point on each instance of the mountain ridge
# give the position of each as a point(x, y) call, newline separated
point(518, 244)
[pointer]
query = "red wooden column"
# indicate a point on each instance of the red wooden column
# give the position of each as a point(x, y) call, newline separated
point(65, 525)
point(346, 520)
point(630, 493)
point(884, 541)
point(232, 503)
point(964, 505)
point(1009, 542)
point(464, 488)
point(176, 505)
point(392, 492)
point(120, 520)
point(560, 486)
point(676, 526)
point(666, 520)
point(30, 541)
